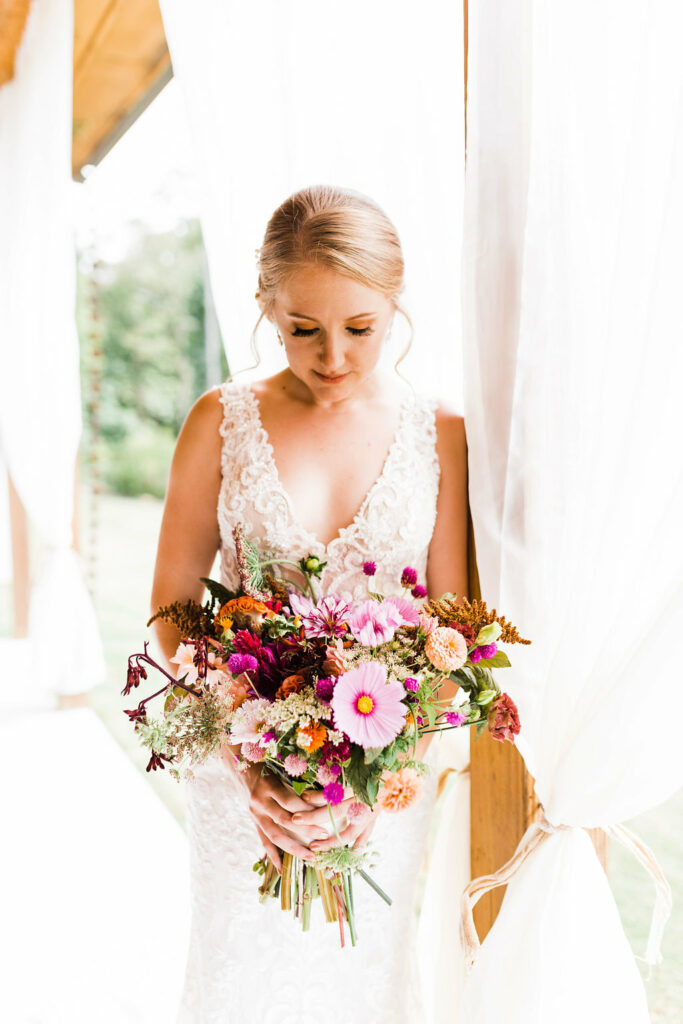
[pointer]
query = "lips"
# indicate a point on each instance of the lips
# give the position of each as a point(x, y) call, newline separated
point(330, 380)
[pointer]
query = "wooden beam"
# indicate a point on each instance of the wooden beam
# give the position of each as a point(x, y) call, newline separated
point(20, 559)
point(13, 16)
point(121, 62)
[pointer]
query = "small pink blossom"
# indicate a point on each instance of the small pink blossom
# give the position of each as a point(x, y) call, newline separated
point(357, 811)
point(295, 765)
point(253, 751)
point(428, 623)
point(324, 775)
point(333, 793)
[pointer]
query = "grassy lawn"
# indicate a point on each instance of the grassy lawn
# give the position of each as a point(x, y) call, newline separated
point(127, 538)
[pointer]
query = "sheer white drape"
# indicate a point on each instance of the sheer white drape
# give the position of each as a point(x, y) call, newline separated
point(574, 367)
point(281, 95)
point(40, 418)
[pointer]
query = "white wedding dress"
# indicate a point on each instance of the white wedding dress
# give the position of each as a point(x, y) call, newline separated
point(250, 963)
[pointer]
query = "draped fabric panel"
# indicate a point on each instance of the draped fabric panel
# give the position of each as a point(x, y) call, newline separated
point(573, 373)
point(281, 95)
point(40, 418)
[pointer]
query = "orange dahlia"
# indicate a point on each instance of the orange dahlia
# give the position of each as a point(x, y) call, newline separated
point(446, 648)
point(400, 790)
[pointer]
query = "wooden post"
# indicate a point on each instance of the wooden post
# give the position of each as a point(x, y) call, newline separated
point(20, 559)
point(503, 801)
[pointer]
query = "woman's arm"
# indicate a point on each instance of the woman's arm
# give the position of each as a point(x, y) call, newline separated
point(447, 558)
point(189, 535)
point(188, 540)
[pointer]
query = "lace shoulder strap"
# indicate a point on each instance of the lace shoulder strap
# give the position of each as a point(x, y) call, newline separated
point(237, 425)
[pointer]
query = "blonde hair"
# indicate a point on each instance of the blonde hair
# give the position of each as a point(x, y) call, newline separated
point(337, 228)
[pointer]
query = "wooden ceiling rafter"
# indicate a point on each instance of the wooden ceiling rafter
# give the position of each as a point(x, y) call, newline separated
point(13, 17)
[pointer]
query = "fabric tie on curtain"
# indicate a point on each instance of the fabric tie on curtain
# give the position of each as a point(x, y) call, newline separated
point(571, 283)
point(40, 401)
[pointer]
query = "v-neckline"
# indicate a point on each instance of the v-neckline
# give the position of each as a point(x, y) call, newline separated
point(311, 537)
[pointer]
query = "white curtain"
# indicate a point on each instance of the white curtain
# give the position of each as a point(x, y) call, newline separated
point(40, 411)
point(574, 366)
point(281, 95)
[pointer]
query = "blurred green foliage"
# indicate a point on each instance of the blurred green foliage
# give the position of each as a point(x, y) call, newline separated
point(151, 313)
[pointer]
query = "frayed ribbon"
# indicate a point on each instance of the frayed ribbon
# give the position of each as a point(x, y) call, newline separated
point(535, 835)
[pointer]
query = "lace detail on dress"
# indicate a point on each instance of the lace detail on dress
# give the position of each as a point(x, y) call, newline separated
point(250, 963)
point(393, 525)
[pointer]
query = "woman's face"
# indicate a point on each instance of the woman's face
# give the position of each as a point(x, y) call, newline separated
point(332, 328)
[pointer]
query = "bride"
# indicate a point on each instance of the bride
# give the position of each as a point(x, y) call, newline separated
point(336, 458)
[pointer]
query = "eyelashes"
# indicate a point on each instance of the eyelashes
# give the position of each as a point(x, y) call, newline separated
point(305, 332)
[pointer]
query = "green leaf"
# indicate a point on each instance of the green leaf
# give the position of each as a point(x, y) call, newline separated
point(464, 677)
point(480, 726)
point(489, 634)
point(218, 591)
point(358, 774)
point(485, 697)
point(431, 715)
point(371, 754)
point(499, 660)
point(373, 787)
point(298, 785)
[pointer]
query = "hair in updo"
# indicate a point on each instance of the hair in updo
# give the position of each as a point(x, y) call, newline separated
point(337, 228)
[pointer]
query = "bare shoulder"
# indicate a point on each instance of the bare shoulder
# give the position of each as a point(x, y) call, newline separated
point(451, 441)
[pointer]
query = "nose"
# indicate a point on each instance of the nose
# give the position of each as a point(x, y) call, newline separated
point(332, 355)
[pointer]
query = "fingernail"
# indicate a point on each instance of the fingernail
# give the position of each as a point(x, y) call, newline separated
point(315, 846)
point(296, 817)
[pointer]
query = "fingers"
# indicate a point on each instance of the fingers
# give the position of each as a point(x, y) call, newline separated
point(355, 834)
point(290, 801)
point(270, 848)
point(365, 834)
point(321, 815)
point(285, 841)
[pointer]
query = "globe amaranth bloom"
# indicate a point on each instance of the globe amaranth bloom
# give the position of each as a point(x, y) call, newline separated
point(485, 651)
point(238, 663)
point(369, 568)
point(368, 707)
point(409, 577)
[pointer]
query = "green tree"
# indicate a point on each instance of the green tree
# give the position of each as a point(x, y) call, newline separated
point(152, 316)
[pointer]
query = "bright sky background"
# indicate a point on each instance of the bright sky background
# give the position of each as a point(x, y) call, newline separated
point(147, 176)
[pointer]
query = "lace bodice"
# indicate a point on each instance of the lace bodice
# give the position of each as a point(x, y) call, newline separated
point(393, 525)
point(249, 963)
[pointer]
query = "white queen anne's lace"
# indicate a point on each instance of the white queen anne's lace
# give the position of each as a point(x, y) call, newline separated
point(250, 963)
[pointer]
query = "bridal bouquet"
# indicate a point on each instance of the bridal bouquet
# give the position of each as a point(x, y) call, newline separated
point(330, 694)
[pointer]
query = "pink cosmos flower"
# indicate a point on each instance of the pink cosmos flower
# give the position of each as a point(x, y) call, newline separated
point(328, 618)
point(375, 622)
point(367, 707)
point(409, 613)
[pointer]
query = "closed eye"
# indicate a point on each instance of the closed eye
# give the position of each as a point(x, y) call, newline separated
point(305, 332)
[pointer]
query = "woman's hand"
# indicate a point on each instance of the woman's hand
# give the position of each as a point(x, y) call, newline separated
point(354, 833)
point(272, 806)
